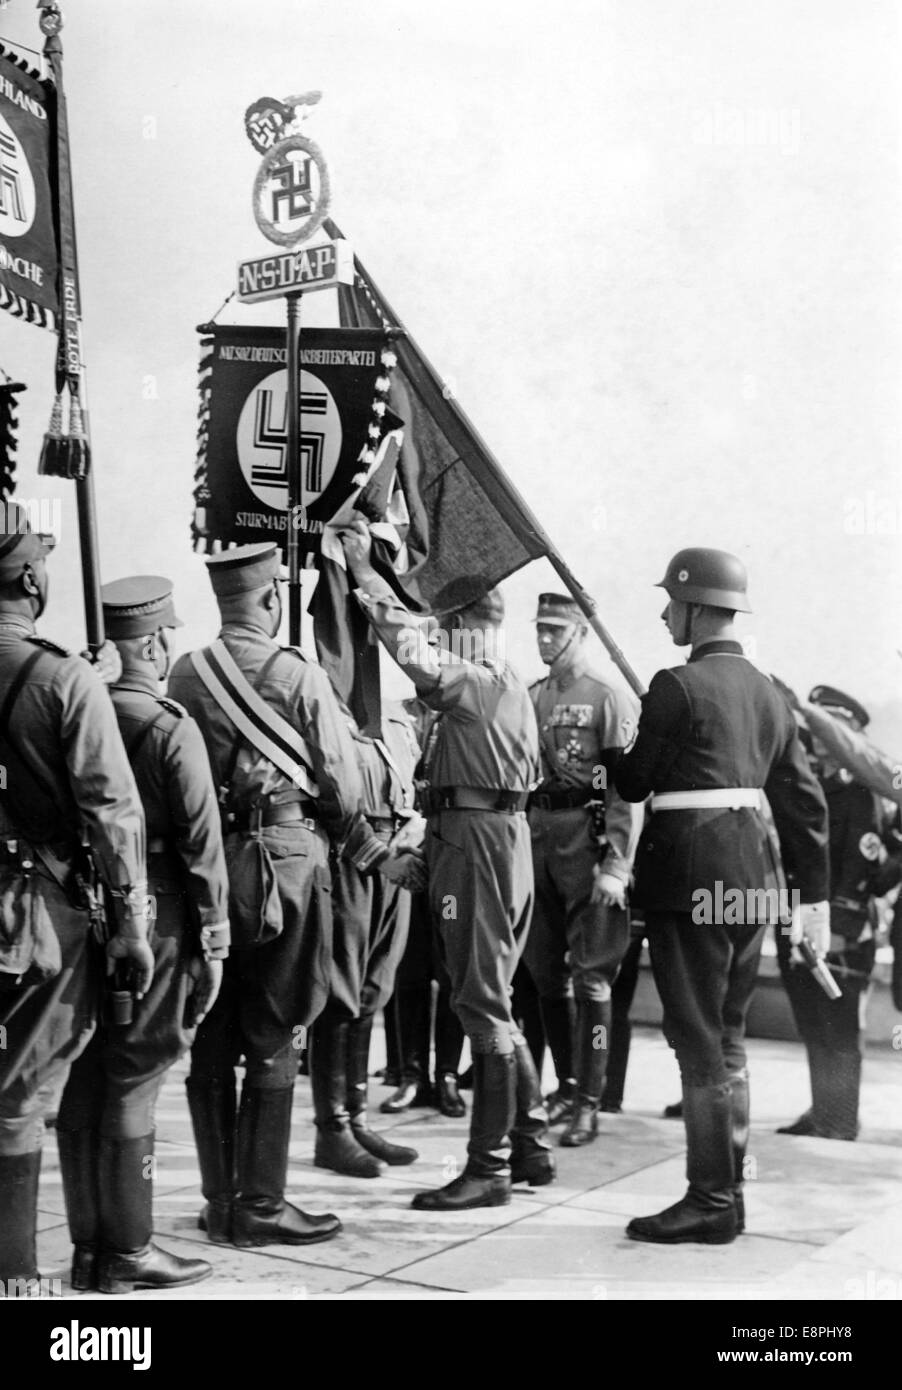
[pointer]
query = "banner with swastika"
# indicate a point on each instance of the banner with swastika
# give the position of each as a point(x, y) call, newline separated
point(28, 246)
point(241, 482)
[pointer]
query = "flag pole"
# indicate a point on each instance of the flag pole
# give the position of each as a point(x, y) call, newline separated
point(74, 459)
point(293, 463)
point(502, 492)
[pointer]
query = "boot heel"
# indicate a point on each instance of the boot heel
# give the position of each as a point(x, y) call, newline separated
point(84, 1269)
point(115, 1284)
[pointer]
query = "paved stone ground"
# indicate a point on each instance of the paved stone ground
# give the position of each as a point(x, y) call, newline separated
point(824, 1218)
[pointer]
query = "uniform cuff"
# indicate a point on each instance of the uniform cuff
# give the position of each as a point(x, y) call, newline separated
point(215, 941)
point(364, 849)
point(376, 591)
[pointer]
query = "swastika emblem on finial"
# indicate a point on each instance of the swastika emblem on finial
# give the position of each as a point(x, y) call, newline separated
point(291, 190)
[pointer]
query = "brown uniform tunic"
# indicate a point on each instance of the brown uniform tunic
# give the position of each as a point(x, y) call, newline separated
point(372, 914)
point(66, 769)
point(480, 862)
point(114, 1084)
point(580, 723)
point(271, 991)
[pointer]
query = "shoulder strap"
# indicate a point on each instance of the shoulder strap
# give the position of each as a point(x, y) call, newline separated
point(260, 725)
point(406, 792)
point(240, 740)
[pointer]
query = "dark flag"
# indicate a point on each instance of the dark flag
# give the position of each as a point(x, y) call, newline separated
point(241, 479)
point(349, 454)
point(346, 644)
point(465, 515)
point(28, 244)
point(66, 453)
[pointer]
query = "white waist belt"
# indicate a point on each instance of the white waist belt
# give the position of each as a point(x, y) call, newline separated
point(730, 798)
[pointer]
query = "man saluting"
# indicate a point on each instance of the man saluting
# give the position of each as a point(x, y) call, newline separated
point(481, 760)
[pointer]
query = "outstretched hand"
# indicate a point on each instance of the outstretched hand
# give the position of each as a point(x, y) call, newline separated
point(357, 543)
point(408, 869)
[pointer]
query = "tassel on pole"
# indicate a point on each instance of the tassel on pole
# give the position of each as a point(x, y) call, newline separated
point(78, 454)
point(52, 462)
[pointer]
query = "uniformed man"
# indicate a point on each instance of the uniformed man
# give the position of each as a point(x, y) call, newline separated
point(850, 748)
point(66, 782)
point(712, 735)
point(284, 762)
point(584, 839)
point(105, 1125)
point(372, 917)
point(482, 764)
point(865, 862)
point(410, 1009)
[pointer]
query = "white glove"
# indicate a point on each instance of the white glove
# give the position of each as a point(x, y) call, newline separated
point(811, 920)
point(410, 835)
point(608, 888)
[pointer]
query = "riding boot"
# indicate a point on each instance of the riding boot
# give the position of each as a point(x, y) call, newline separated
point(212, 1105)
point(619, 1041)
point(391, 1076)
point(486, 1180)
point(739, 1109)
point(414, 1003)
point(260, 1213)
point(336, 1146)
point(449, 1041)
point(526, 1008)
point(19, 1174)
point(531, 1158)
point(128, 1258)
point(559, 1021)
point(449, 1035)
point(79, 1150)
point(707, 1212)
point(593, 1032)
point(836, 1085)
point(358, 1056)
point(448, 1100)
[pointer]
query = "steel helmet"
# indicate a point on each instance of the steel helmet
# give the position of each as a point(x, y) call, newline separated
point(714, 577)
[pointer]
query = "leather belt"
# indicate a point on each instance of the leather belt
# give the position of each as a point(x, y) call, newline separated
point(472, 799)
point(562, 800)
point(726, 798)
point(291, 814)
point(850, 904)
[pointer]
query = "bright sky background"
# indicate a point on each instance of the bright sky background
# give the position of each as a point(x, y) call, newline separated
point(654, 245)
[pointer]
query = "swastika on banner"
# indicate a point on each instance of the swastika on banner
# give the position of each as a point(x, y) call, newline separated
point(262, 439)
point(17, 192)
